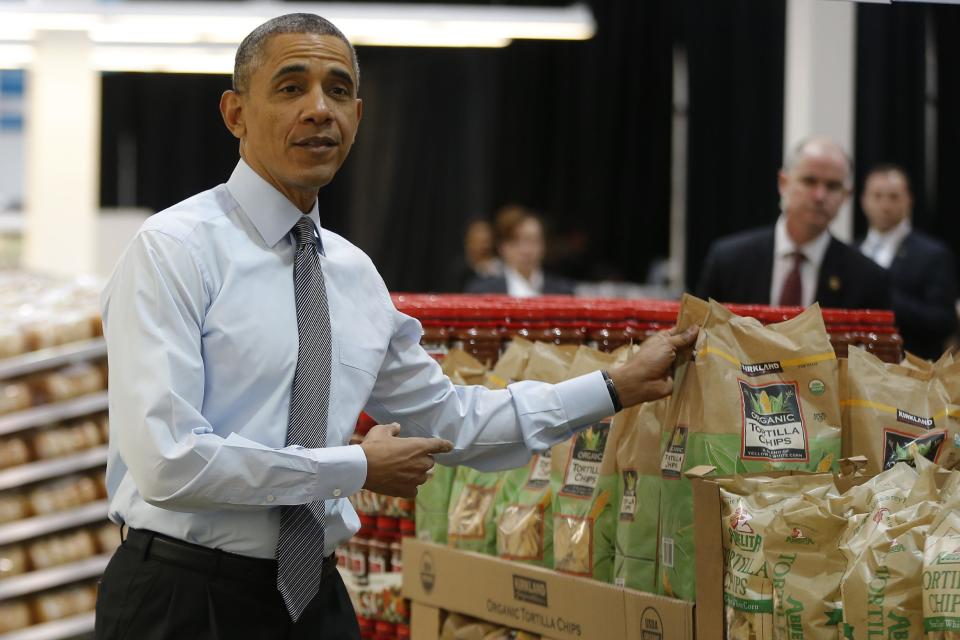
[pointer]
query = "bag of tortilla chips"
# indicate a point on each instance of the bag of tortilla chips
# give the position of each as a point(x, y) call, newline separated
point(805, 566)
point(940, 580)
point(748, 505)
point(584, 484)
point(754, 398)
point(890, 407)
point(471, 520)
point(432, 503)
point(638, 478)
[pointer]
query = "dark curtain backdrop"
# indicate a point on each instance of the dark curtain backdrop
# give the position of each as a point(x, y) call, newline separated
point(577, 130)
point(946, 195)
point(890, 99)
point(736, 58)
point(895, 44)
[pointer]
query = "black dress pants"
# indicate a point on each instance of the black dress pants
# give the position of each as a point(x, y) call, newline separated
point(146, 594)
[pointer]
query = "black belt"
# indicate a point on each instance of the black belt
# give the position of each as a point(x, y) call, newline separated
point(157, 546)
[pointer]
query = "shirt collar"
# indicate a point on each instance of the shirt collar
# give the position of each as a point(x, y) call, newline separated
point(894, 236)
point(522, 286)
point(268, 209)
point(813, 251)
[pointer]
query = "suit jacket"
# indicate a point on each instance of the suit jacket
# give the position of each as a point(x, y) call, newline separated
point(552, 285)
point(739, 268)
point(924, 290)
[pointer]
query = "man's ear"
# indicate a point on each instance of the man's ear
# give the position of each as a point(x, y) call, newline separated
point(231, 109)
point(359, 117)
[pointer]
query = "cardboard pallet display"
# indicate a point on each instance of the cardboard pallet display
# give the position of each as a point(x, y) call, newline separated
point(522, 596)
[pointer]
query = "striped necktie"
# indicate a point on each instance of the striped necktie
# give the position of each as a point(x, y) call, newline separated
point(300, 544)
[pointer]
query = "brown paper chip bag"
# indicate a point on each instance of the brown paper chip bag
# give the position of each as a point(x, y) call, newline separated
point(805, 567)
point(881, 589)
point(940, 580)
point(548, 362)
point(748, 505)
point(584, 486)
point(890, 407)
point(510, 366)
point(460, 365)
point(754, 398)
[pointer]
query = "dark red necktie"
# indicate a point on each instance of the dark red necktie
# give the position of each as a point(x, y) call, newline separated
point(792, 293)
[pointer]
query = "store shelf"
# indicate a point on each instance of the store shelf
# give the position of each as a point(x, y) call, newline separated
point(49, 413)
point(53, 467)
point(54, 577)
point(40, 525)
point(55, 630)
point(52, 357)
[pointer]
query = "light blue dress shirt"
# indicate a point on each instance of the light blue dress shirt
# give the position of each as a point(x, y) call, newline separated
point(201, 327)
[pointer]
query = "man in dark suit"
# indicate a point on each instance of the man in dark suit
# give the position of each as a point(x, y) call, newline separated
point(797, 261)
point(921, 268)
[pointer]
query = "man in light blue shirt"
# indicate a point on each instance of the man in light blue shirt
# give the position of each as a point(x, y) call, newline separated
point(201, 322)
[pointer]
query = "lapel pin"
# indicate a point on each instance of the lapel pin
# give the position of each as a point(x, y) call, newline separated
point(834, 283)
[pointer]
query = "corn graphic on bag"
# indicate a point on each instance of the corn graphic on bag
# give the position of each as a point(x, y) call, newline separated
point(638, 478)
point(890, 408)
point(748, 505)
point(940, 580)
point(753, 398)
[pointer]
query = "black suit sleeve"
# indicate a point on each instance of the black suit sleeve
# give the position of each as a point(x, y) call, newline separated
point(932, 308)
point(709, 284)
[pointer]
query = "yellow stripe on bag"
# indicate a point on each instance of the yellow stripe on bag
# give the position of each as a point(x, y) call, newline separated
point(953, 412)
point(706, 351)
point(793, 362)
point(868, 404)
point(820, 357)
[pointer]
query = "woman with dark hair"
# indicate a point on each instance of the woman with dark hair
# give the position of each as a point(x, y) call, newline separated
point(520, 242)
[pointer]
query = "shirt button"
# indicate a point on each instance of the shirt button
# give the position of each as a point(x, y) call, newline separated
point(337, 493)
point(270, 498)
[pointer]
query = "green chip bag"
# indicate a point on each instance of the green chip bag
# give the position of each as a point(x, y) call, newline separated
point(638, 486)
point(471, 519)
point(433, 501)
point(525, 523)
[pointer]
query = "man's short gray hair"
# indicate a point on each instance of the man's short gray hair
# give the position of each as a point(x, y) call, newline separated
point(793, 156)
point(251, 49)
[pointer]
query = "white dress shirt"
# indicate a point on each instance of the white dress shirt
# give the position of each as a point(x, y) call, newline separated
point(784, 249)
point(882, 246)
point(201, 328)
point(520, 287)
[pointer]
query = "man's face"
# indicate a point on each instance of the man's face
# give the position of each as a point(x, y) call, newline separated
point(886, 200)
point(813, 191)
point(298, 117)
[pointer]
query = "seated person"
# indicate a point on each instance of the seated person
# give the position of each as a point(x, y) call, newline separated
point(520, 241)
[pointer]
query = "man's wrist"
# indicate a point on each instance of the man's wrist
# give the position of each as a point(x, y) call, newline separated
point(612, 390)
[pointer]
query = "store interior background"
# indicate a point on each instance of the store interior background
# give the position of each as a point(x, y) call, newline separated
point(639, 146)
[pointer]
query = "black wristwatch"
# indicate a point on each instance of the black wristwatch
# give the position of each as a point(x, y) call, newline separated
point(612, 388)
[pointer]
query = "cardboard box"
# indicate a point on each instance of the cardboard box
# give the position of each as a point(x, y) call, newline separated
point(534, 599)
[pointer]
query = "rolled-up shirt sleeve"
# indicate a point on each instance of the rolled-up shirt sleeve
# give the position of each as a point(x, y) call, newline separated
point(490, 429)
point(153, 311)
